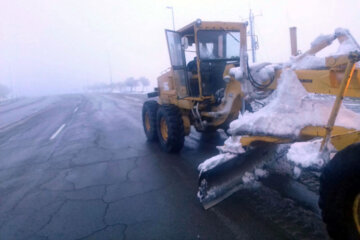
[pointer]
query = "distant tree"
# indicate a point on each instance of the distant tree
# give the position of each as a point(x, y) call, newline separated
point(4, 91)
point(100, 87)
point(120, 85)
point(131, 82)
point(144, 82)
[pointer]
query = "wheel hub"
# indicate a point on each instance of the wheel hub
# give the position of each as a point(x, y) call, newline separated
point(147, 122)
point(164, 129)
point(356, 212)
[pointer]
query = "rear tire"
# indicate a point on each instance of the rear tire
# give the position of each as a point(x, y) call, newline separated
point(170, 128)
point(149, 119)
point(340, 194)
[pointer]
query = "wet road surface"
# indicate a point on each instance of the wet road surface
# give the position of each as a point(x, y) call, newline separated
point(79, 167)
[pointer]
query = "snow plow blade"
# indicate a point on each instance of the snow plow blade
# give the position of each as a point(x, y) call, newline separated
point(221, 181)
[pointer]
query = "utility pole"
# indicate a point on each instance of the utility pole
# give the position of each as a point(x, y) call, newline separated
point(12, 94)
point(252, 36)
point(110, 68)
point(172, 14)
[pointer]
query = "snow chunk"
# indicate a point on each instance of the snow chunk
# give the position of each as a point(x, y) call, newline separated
point(236, 72)
point(215, 161)
point(308, 62)
point(342, 32)
point(291, 109)
point(306, 154)
point(261, 173)
point(297, 172)
point(232, 145)
point(263, 72)
point(248, 177)
point(348, 45)
point(323, 38)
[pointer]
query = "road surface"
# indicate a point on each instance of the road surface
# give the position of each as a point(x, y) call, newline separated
point(79, 167)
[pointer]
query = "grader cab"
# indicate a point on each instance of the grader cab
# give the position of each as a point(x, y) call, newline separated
point(197, 89)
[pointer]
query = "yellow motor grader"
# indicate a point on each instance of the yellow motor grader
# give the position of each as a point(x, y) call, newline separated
point(201, 90)
point(194, 92)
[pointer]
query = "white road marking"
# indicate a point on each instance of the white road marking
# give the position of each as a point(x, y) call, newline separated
point(57, 132)
point(75, 110)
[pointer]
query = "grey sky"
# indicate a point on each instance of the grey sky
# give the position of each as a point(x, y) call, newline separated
point(49, 46)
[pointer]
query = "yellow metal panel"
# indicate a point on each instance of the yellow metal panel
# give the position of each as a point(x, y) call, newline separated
point(328, 82)
point(313, 131)
point(340, 137)
point(185, 104)
point(187, 123)
point(341, 141)
point(258, 140)
point(220, 25)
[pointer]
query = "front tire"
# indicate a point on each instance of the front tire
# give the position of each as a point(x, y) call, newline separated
point(340, 194)
point(149, 119)
point(170, 128)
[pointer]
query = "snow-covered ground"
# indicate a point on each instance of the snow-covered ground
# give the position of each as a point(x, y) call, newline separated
point(17, 110)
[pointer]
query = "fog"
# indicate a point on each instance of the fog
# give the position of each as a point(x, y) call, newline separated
point(53, 47)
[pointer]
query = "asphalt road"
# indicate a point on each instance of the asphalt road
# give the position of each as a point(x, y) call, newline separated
point(79, 167)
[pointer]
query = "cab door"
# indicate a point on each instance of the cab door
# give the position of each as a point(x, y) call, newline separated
point(178, 63)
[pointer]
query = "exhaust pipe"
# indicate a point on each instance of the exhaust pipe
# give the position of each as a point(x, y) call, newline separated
point(293, 41)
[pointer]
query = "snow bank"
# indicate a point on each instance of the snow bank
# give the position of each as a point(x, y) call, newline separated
point(291, 109)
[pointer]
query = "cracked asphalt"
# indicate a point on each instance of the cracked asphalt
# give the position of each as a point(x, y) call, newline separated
point(79, 167)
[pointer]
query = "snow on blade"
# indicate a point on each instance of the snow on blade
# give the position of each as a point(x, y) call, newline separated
point(215, 161)
point(232, 145)
point(291, 109)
